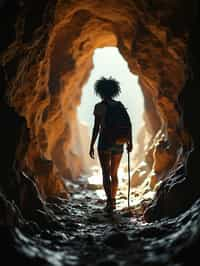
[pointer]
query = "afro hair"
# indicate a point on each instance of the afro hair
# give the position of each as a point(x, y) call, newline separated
point(107, 88)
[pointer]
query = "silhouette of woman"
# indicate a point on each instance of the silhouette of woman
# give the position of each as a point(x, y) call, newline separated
point(109, 154)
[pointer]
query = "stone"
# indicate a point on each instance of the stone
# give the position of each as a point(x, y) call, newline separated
point(118, 240)
point(42, 59)
point(107, 263)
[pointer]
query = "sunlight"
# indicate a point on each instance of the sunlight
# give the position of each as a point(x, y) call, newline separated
point(138, 195)
point(109, 62)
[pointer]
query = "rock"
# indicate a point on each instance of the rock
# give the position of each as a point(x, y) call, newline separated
point(107, 263)
point(172, 198)
point(117, 240)
point(9, 215)
point(42, 75)
point(48, 90)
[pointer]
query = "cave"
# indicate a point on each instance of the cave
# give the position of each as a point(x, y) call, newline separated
point(49, 214)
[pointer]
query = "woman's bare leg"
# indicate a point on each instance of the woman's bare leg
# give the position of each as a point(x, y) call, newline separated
point(115, 161)
point(105, 160)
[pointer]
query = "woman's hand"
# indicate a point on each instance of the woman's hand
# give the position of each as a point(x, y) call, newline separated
point(129, 146)
point(91, 152)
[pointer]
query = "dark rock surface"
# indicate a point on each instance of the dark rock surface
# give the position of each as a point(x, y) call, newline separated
point(82, 233)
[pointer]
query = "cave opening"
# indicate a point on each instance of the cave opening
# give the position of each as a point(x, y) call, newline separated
point(159, 144)
point(108, 62)
point(53, 155)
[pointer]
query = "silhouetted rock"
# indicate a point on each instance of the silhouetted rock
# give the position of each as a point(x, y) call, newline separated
point(117, 240)
point(9, 216)
point(107, 263)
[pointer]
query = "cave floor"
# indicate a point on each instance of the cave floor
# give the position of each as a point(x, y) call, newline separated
point(82, 233)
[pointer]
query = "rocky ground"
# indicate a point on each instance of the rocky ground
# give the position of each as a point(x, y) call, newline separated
point(80, 232)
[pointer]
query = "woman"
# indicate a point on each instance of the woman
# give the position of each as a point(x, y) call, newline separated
point(109, 154)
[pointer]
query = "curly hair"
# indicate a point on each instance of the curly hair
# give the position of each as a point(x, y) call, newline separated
point(107, 88)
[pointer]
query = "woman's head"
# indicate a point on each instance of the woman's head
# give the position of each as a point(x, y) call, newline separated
point(107, 88)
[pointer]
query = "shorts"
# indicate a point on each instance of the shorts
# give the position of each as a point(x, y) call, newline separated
point(109, 148)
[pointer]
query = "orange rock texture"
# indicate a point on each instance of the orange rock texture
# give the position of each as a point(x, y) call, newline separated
point(46, 67)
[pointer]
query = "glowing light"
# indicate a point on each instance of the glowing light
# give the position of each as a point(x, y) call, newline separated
point(137, 195)
point(109, 62)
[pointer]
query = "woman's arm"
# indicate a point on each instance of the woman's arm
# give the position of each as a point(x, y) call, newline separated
point(95, 132)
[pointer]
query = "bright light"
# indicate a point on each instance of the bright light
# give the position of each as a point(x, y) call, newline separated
point(137, 195)
point(109, 62)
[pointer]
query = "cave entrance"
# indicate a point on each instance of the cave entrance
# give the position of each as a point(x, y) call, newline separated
point(63, 72)
point(108, 62)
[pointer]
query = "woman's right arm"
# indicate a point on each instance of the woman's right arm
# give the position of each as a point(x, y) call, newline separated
point(95, 132)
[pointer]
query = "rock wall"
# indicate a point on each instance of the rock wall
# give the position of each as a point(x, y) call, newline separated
point(152, 53)
point(46, 57)
point(181, 189)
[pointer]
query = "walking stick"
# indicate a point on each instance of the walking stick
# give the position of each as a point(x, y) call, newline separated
point(129, 179)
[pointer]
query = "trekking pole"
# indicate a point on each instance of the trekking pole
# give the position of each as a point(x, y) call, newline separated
point(129, 179)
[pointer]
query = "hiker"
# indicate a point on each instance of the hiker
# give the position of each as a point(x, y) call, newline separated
point(111, 139)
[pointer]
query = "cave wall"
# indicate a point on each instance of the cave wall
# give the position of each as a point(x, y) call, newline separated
point(22, 50)
point(181, 189)
point(145, 41)
point(46, 57)
point(184, 190)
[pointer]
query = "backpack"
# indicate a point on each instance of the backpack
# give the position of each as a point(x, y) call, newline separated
point(117, 124)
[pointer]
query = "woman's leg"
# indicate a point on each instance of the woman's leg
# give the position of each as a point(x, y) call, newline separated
point(104, 158)
point(115, 161)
